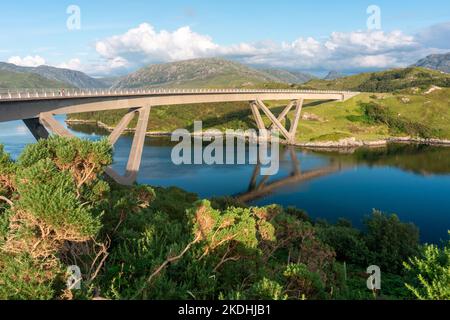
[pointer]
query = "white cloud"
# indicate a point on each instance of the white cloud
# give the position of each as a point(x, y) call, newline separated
point(148, 45)
point(344, 51)
point(351, 50)
point(98, 67)
point(436, 36)
point(28, 61)
point(72, 64)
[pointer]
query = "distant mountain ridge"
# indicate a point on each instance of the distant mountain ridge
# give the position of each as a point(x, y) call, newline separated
point(73, 78)
point(221, 73)
point(440, 62)
point(210, 72)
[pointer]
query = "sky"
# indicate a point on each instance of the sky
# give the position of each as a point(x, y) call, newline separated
point(108, 38)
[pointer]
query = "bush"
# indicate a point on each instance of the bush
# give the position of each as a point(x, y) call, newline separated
point(302, 283)
point(377, 114)
point(51, 216)
point(347, 242)
point(432, 273)
point(390, 241)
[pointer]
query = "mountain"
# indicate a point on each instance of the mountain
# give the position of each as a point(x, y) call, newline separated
point(286, 76)
point(385, 81)
point(197, 73)
point(333, 75)
point(73, 78)
point(15, 80)
point(439, 62)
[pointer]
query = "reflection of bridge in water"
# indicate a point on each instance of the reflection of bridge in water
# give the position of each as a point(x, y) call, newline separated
point(37, 109)
point(263, 188)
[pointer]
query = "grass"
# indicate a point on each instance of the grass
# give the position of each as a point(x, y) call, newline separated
point(338, 120)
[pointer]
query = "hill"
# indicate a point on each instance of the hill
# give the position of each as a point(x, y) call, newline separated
point(440, 62)
point(211, 73)
point(75, 79)
point(286, 76)
point(14, 80)
point(385, 81)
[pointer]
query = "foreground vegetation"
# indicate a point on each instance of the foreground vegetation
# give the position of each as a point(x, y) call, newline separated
point(57, 210)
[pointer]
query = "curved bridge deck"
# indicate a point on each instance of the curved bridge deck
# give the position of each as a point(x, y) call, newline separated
point(38, 107)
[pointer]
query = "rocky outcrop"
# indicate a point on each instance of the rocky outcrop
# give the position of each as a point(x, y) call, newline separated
point(439, 62)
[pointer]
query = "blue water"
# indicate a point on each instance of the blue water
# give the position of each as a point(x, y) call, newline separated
point(411, 181)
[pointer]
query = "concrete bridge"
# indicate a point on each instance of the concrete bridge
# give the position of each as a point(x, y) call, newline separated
point(37, 109)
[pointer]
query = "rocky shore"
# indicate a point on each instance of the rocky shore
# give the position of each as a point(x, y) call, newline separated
point(347, 143)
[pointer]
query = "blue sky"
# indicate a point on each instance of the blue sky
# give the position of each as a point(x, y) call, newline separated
point(307, 35)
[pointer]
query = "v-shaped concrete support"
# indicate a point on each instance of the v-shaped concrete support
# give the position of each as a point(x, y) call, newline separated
point(46, 120)
point(298, 114)
point(276, 122)
point(285, 112)
point(137, 148)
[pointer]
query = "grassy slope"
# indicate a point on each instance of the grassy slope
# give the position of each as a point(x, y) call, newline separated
point(344, 119)
point(13, 80)
point(337, 119)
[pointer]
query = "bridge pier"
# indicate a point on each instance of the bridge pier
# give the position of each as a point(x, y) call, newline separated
point(285, 112)
point(277, 122)
point(298, 114)
point(36, 128)
point(257, 116)
point(137, 148)
point(50, 122)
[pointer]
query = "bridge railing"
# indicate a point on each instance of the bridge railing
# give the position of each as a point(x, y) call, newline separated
point(27, 94)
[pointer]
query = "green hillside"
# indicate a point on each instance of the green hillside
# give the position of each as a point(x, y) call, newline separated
point(409, 114)
point(385, 81)
point(13, 80)
point(75, 79)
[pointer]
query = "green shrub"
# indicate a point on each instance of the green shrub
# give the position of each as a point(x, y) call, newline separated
point(432, 273)
point(51, 214)
point(267, 289)
point(377, 114)
point(302, 283)
point(390, 241)
point(347, 242)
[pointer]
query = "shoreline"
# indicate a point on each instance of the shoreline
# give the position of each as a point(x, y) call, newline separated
point(347, 143)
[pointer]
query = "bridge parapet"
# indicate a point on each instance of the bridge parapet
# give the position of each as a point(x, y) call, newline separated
point(67, 93)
